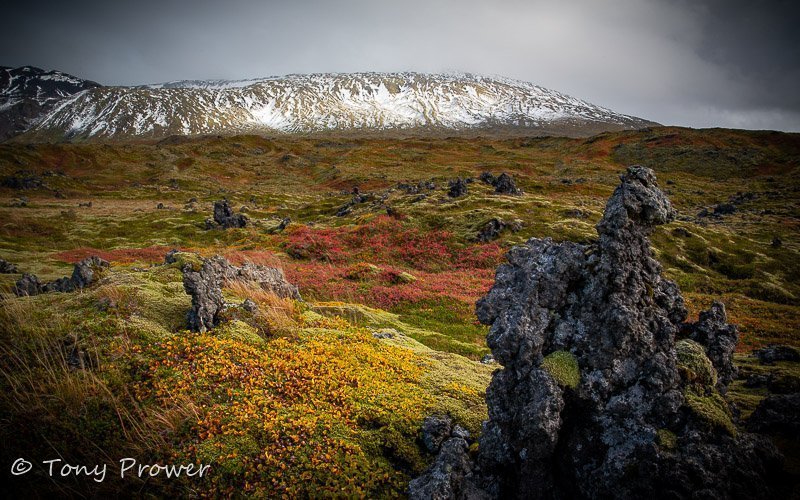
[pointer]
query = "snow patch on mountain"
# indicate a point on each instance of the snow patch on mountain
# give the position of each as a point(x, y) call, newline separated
point(319, 103)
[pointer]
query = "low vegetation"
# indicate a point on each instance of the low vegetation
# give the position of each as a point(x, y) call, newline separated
point(325, 396)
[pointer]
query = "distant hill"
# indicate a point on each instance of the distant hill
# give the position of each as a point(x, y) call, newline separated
point(360, 103)
point(28, 93)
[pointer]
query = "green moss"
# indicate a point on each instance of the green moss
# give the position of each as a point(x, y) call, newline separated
point(563, 367)
point(184, 258)
point(710, 408)
point(693, 363)
point(239, 331)
point(666, 439)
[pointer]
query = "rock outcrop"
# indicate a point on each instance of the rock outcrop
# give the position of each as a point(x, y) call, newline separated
point(770, 354)
point(777, 413)
point(204, 283)
point(225, 218)
point(505, 184)
point(7, 267)
point(457, 188)
point(451, 475)
point(85, 273)
point(606, 391)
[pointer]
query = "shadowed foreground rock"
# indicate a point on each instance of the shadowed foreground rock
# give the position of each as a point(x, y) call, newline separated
point(84, 274)
point(606, 391)
point(205, 283)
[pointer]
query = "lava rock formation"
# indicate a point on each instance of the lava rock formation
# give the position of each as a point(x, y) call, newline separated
point(605, 390)
point(204, 284)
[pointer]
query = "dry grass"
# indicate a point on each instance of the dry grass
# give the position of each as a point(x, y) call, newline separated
point(276, 312)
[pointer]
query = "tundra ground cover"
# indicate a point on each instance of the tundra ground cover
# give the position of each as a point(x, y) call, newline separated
point(404, 264)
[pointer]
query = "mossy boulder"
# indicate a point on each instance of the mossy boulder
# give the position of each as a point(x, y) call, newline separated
point(563, 367)
point(710, 408)
point(694, 365)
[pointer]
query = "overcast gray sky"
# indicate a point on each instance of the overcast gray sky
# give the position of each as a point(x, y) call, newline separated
point(731, 63)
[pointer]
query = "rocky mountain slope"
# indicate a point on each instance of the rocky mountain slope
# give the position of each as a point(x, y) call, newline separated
point(27, 93)
point(358, 102)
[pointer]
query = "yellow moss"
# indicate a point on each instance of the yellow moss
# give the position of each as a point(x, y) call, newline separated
point(710, 408)
point(563, 367)
point(666, 439)
point(191, 258)
point(693, 363)
point(239, 331)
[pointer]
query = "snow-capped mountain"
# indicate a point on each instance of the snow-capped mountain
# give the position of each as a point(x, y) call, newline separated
point(356, 102)
point(28, 93)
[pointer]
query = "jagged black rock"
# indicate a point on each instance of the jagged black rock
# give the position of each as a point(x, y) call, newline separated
point(593, 401)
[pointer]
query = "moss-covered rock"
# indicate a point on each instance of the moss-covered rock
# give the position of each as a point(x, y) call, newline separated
point(710, 408)
point(694, 365)
point(180, 259)
point(563, 367)
point(666, 439)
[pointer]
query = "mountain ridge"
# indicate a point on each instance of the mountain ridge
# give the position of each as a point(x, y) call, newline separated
point(349, 103)
point(27, 93)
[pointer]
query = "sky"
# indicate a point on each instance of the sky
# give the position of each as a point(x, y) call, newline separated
point(702, 63)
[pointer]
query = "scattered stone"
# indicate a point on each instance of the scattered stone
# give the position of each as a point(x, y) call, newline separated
point(22, 179)
point(385, 333)
point(777, 413)
point(244, 209)
point(505, 185)
point(19, 202)
point(487, 359)
point(7, 267)
point(447, 477)
point(283, 224)
point(28, 284)
point(741, 197)
point(225, 218)
point(435, 429)
point(347, 208)
point(344, 210)
point(575, 213)
point(419, 198)
point(681, 232)
point(76, 358)
point(192, 200)
point(594, 400)
point(770, 354)
point(87, 204)
point(776, 242)
point(725, 209)
point(85, 273)
point(719, 339)
point(457, 188)
point(491, 230)
point(417, 188)
point(755, 380)
point(459, 432)
point(250, 305)
point(160, 206)
point(171, 256)
point(487, 178)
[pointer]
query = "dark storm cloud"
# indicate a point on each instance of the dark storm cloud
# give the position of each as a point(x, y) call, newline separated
point(710, 63)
